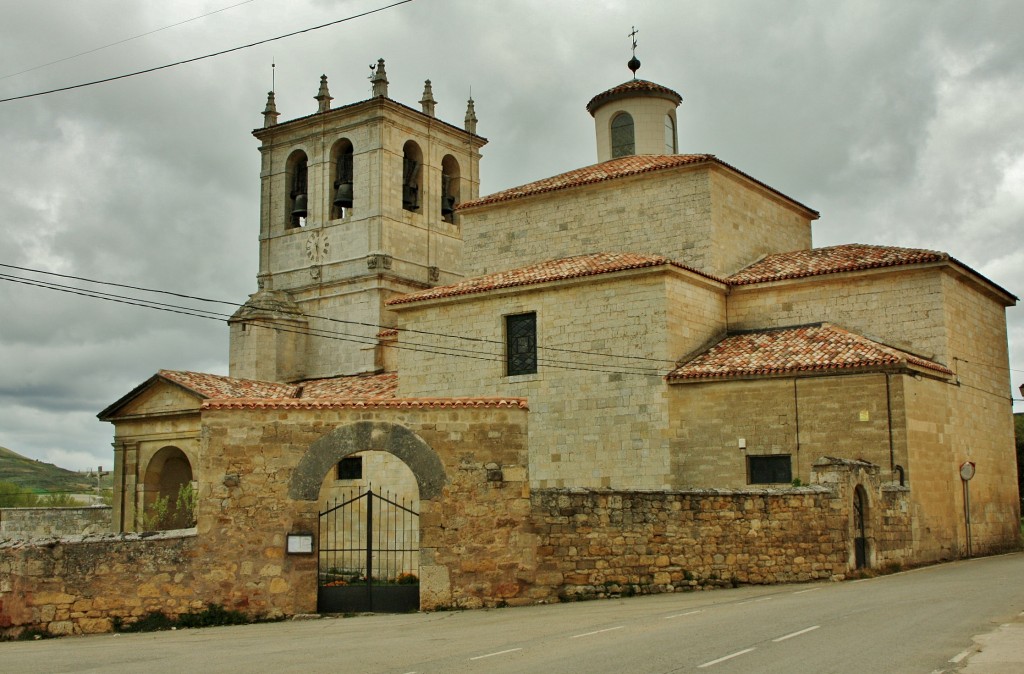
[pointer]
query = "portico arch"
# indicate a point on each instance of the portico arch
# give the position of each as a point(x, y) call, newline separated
point(360, 436)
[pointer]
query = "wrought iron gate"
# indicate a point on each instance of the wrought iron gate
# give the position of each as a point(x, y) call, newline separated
point(860, 541)
point(368, 557)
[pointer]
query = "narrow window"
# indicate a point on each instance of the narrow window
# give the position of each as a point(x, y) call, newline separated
point(412, 161)
point(622, 135)
point(670, 135)
point(449, 187)
point(343, 193)
point(350, 468)
point(521, 344)
point(770, 469)
point(297, 196)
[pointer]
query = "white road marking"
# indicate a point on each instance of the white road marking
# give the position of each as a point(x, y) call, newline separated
point(680, 615)
point(796, 634)
point(723, 659)
point(961, 655)
point(751, 601)
point(587, 634)
point(813, 589)
point(490, 655)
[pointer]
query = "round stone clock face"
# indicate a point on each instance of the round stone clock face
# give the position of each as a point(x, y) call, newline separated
point(317, 246)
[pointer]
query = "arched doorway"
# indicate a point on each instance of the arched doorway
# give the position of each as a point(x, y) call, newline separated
point(860, 538)
point(369, 479)
point(169, 500)
point(368, 536)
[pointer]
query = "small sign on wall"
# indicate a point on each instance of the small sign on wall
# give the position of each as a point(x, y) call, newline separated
point(299, 544)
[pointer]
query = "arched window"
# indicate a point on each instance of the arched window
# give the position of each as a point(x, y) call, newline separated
point(298, 192)
point(623, 143)
point(342, 197)
point(450, 175)
point(412, 162)
point(670, 135)
point(170, 499)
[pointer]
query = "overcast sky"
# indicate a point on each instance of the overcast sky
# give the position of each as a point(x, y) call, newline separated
point(901, 122)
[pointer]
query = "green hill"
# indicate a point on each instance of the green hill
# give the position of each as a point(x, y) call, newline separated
point(38, 476)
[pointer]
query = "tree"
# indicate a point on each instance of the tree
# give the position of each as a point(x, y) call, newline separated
point(15, 496)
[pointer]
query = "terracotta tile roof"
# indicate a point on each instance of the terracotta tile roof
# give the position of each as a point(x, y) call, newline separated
point(542, 272)
point(633, 88)
point(214, 386)
point(361, 386)
point(830, 260)
point(372, 403)
point(812, 348)
point(595, 173)
point(218, 386)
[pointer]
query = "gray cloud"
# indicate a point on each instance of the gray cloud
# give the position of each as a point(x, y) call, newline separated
point(898, 121)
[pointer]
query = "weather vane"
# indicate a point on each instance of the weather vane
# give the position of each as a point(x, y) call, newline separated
point(634, 63)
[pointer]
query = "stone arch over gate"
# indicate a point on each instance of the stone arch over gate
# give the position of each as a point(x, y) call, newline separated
point(361, 436)
point(378, 523)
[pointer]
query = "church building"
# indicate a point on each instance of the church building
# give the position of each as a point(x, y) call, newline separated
point(655, 330)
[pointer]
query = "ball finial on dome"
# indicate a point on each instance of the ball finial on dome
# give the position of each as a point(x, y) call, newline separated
point(634, 63)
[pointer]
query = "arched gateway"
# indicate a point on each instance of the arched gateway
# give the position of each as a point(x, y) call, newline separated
point(368, 540)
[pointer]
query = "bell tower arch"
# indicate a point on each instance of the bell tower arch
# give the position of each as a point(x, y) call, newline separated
point(356, 206)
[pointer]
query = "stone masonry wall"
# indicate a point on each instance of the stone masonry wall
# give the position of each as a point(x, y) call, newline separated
point(21, 523)
point(803, 418)
point(79, 585)
point(486, 541)
point(594, 543)
point(901, 308)
point(595, 420)
point(676, 213)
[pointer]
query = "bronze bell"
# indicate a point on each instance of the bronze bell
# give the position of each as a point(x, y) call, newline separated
point(410, 197)
point(299, 205)
point(343, 197)
point(447, 205)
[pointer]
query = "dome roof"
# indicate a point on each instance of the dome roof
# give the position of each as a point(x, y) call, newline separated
point(633, 89)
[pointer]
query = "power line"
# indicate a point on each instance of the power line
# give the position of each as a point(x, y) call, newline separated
point(376, 326)
point(127, 39)
point(328, 334)
point(207, 56)
point(438, 349)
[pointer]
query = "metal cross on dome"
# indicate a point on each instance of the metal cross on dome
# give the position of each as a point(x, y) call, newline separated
point(634, 63)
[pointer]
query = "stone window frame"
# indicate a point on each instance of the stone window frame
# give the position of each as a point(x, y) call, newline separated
point(521, 344)
point(622, 135)
point(451, 174)
point(412, 176)
point(343, 148)
point(761, 474)
point(671, 138)
point(353, 469)
point(296, 182)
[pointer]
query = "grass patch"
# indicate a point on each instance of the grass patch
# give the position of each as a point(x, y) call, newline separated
point(212, 616)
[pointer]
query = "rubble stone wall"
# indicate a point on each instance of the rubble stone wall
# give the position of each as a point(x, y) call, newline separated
point(82, 584)
point(20, 523)
point(604, 543)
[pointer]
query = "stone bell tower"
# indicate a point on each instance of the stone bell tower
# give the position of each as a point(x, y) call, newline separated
point(357, 206)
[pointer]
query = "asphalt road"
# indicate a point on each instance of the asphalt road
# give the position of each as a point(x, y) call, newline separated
point(916, 621)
